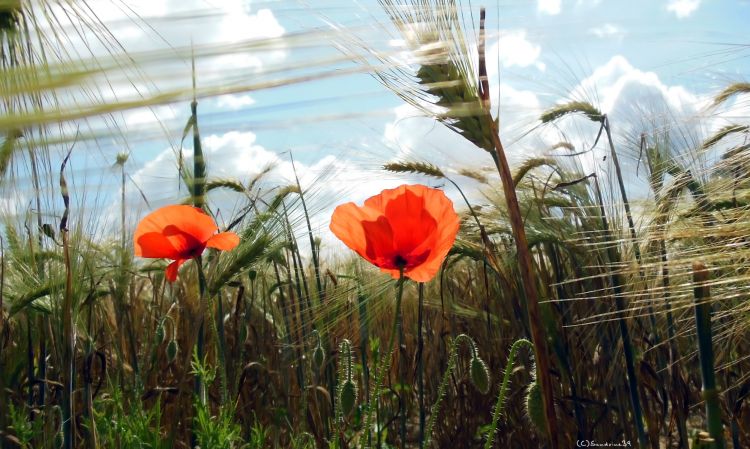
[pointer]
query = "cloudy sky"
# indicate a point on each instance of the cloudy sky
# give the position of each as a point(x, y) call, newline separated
point(291, 87)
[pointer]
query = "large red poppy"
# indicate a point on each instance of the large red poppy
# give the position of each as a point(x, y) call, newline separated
point(179, 233)
point(411, 227)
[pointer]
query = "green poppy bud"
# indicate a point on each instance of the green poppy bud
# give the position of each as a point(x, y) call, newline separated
point(480, 375)
point(347, 397)
point(318, 357)
point(535, 407)
point(171, 350)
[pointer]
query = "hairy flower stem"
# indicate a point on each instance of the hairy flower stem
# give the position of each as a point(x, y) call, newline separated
point(384, 363)
point(490, 438)
point(420, 364)
point(525, 263)
point(217, 331)
point(199, 345)
point(705, 350)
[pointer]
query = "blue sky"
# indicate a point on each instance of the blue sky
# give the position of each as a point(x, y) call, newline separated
point(671, 55)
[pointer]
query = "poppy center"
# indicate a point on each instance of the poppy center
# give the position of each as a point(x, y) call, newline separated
point(399, 261)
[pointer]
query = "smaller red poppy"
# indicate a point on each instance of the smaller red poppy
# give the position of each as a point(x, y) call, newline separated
point(409, 228)
point(179, 233)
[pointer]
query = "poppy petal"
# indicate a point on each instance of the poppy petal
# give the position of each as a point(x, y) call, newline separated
point(188, 219)
point(172, 268)
point(224, 241)
point(442, 240)
point(411, 221)
point(155, 245)
point(346, 224)
point(379, 237)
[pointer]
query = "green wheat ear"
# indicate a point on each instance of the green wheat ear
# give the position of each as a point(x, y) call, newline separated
point(422, 168)
point(730, 91)
point(570, 108)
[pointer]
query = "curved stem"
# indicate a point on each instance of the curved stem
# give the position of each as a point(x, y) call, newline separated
point(435, 409)
point(504, 390)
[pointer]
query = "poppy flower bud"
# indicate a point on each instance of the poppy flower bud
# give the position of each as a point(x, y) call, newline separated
point(534, 407)
point(480, 375)
point(318, 357)
point(347, 397)
point(171, 351)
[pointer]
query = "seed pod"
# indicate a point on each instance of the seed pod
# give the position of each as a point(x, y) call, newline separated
point(347, 397)
point(318, 357)
point(171, 351)
point(480, 375)
point(535, 408)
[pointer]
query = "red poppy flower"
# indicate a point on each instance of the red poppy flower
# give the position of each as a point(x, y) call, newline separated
point(411, 227)
point(179, 233)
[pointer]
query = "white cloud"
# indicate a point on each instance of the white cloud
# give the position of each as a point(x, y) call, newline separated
point(683, 8)
point(551, 7)
point(237, 25)
point(608, 30)
point(238, 156)
point(144, 116)
point(514, 49)
point(617, 86)
point(636, 102)
point(234, 102)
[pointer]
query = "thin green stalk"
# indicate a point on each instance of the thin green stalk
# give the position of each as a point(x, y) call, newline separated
point(68, 343)
point(314, 250)
point(29, 365)
point(3, 399)
point(655, 169)
point(364, 338)
point(563, 345)
point(627, 344)
point(420, 364)
point(402, 384)
point(305, 330)
point(497, 411)
point(636, 249)
point(200, 343)
point(282, 301)
point(217, 326)
point(384, 363)
point(313, 247)
point(710, 392)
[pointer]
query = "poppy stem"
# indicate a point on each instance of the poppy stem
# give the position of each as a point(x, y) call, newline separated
point(420, 365)
point(384, 363)
point(199, 346)
point(208, 311)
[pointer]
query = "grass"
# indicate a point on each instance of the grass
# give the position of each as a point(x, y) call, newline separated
point(98, 350)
